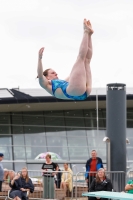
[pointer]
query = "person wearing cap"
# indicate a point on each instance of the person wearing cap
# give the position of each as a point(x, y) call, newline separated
point(1, 170)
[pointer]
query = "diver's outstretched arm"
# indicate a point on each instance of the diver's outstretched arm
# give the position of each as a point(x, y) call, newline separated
point(42, 79)
point(40, 67)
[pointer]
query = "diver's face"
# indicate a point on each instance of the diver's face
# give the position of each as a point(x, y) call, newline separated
point(52, 75)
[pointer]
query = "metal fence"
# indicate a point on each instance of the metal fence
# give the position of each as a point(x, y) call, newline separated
point(41, 187)
point(79, 184)
point(117, 179)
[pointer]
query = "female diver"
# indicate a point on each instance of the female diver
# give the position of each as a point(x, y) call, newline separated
point(78, 85)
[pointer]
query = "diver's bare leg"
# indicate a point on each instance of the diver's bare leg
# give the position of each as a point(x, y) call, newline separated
point(87, 63)
point(77, 79)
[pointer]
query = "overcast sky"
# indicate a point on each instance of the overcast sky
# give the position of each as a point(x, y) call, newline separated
point(28, 25)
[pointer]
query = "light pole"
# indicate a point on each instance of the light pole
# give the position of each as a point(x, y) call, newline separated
point(107, 141)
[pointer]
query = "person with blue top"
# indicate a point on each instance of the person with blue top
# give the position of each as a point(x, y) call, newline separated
point(92, 165)
point(79, 83)
point(1, 171)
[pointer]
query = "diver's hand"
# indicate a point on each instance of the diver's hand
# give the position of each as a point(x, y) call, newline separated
point(40, 54)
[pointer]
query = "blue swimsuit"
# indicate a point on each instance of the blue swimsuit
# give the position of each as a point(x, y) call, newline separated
point(63, 85)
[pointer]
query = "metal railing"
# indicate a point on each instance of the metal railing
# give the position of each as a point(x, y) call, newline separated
point(40, 185)
point(117, 179)
point(79, 184)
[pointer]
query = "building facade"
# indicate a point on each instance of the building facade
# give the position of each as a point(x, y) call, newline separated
point(32, 123)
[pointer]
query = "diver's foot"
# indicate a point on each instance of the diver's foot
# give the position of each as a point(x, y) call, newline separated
point(88, 27)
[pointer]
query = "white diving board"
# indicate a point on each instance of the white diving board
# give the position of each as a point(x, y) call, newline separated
point(110, 195)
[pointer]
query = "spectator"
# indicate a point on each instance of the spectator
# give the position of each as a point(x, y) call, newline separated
point(48, 177)
point(21, 184)
point(92, 165)
point(48, 167)
point(1, 171)
point(8, 175)
point(58, 177)
point(100, 183)
point(66, 179)
point(129, 187)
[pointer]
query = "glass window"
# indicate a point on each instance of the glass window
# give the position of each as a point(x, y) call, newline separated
point(19, 165)
point(95, 141)
point(17, 129)
point(91, 118)
point(33, 129)
point(7, 165)
point(78, 153)
point(74, 118)
point(129, 113)
point(130, 123)
point(19, 147)
point(129, 132)
point(54, 121)
point(103, 113)
point(4, 118)
point(33, 118)
point(6, 147)
point(62, 152)
point(91, 113)
point(5, 127)
point(35, 152)
point(19, 153)
point(17, 118)
point(73, 113)
point(17, 123)
point(57, 113)
point(54, 118)
point(75, 132)
point(77, 141)
point(35, 167)
point(35, 144)
point(18, 139)
point(76, 168)
point(57, 142)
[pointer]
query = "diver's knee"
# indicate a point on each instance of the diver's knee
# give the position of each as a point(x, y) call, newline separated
point(81, 57)
point(87, 61)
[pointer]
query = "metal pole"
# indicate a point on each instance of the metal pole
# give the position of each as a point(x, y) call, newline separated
point(97, 110)
point(108, 155)
point(116, 126)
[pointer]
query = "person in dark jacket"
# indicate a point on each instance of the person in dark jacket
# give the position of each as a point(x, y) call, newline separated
point(21, 184)
point(92, 165)
point(1, 171)
point(58, 176)
point(100, 183)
